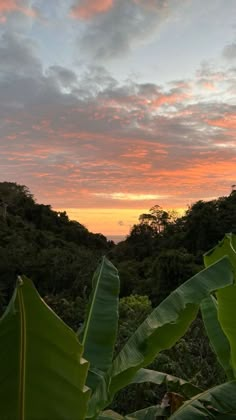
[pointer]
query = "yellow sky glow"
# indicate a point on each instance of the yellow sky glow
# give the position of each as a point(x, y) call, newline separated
point(108, 221)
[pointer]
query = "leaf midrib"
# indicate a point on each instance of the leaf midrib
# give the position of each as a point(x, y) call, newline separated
point(92, 304)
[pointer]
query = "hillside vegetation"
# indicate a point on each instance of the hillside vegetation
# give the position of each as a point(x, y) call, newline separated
point(164, 250)
point(159, 254)
point(58, 254)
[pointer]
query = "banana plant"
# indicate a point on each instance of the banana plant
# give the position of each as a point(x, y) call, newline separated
point(219, 315)
point(43, 369)
point(160, 331)
point(42, 372)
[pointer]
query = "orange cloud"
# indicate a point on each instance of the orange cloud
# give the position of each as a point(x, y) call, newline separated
point(208, 86)
point(9, 6)
point(121, 150)
point(87, 9)
point(228, 121)
point(169, 99)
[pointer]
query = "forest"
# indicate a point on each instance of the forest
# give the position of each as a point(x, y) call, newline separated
point(160, 253)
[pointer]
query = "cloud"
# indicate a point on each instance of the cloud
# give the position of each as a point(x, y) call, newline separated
point(87, 140)
point(87, 9)
point(129, 196)
point(66, 78)
point(7, 7)
point(113, 28)
point(18, 55)
point(229, 52)
point(226, 122)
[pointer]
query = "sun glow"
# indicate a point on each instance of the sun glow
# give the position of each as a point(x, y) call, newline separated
point(109, 221)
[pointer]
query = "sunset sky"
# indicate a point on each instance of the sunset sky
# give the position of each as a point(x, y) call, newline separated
point(108, 107)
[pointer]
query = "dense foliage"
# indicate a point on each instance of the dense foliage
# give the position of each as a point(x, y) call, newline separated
point(59, 255)
point(39, 352)
point(159, 254)
point(163, 250)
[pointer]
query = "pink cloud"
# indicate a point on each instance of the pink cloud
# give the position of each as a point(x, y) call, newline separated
point(209, 86)
point(169, 99)
point(93, 152)
point(9, 6)
point(87, 9)
point(227, 121)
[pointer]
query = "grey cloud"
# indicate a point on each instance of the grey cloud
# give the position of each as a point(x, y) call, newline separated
point(90, 138)
point(51, 10)
point(18, 55)
point(229, 52)
point(22, 80)
point(148, 89)
point(94, 80)
point(122, 27)
point(96, 102)
point(66, 77)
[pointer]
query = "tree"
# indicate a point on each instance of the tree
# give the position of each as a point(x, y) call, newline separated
point(201, 226)
point(171, 268)
point(15, 199)
point(157, 219)
point(141, 240)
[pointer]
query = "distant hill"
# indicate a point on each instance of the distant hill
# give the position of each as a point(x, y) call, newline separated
point(57, 253)
point(116, 238)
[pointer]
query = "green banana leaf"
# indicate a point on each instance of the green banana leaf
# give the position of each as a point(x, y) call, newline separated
point(167, 323)
point(149, 413)
point(218, 402)
point(100, 330)
point(42, 373)
point(226, 298)
point(160, 378)
point(99, 396)
point(218, 340)
point(109, 415)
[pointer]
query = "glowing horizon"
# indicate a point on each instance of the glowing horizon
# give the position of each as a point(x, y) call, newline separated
point(108, 221)
point(118, 104)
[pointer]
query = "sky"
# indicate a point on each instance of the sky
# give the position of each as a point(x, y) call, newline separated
point(108, 107)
